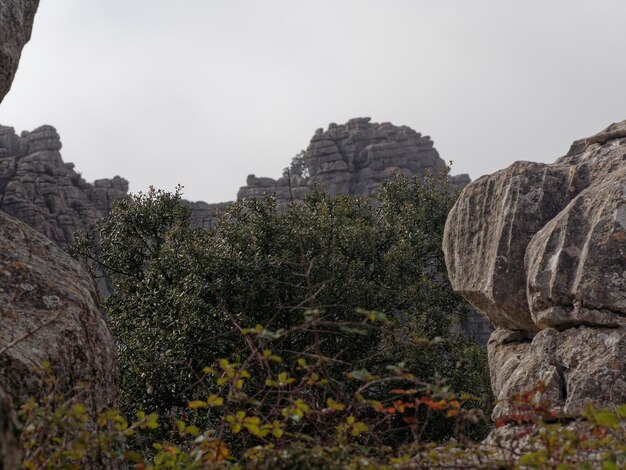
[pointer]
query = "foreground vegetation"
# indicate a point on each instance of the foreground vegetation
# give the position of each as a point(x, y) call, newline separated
point(247, 346)
point(287, 429)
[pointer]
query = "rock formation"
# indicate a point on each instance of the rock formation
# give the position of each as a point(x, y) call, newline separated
point(37, 187)
point(16, 23)
point(354, 158)
point(540, 250)
point(49, 313)
point(47, 194)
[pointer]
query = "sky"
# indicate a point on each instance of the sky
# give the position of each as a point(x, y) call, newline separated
point(204, 92)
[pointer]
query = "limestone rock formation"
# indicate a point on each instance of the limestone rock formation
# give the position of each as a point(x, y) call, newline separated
point(354, 158)
point(48, 311)
point(540, 250)
point(37, 187)
point(16, 23)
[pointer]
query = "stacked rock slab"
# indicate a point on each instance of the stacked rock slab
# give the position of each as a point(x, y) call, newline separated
point(355, 158)
point(540, 250)
point(37, 187)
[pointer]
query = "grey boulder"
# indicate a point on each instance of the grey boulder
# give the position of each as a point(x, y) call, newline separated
point(540, 251)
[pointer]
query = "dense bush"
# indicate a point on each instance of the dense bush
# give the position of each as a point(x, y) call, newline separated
point(182, 294)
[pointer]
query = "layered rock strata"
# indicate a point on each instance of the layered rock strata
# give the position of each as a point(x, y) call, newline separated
point(37, 187)
point(540, 250)
point(355, 158)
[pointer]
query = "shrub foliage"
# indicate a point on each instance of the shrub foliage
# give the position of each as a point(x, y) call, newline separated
point(183, 295)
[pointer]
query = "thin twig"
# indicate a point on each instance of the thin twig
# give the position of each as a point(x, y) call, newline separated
point(29, 333)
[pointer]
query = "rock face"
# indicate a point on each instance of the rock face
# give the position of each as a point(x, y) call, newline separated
point(540, 250)
point(42, 285)
point(39, 189)
point(48, 312)
point(16, 23)
point(354, 158)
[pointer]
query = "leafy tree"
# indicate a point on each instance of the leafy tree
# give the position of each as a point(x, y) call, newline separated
point(298, 166)
point(184, 295)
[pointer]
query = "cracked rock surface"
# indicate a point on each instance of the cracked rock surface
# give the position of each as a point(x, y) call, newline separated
point(540, 250)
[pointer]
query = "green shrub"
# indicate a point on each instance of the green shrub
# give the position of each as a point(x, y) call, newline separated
point(182, 294)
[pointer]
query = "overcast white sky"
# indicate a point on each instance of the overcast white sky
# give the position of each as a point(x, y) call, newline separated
point(203, 92)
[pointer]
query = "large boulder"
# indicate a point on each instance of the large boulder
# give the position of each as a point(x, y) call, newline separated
point(16, 24)
point(48, 312)
point(540, 250)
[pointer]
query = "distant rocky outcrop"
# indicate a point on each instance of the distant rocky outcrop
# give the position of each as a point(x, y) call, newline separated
point(540, 250)
point(355, 158)
point(37, 187)
point(16, 24)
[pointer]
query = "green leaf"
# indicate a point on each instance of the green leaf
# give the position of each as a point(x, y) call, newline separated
point(195, 404)
point(607, 419)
